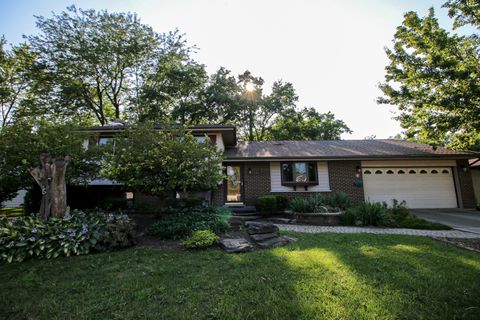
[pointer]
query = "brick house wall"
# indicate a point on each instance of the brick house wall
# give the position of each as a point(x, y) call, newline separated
point(465, 184)
point(257, 183)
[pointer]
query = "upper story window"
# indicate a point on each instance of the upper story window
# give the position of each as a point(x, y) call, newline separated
point(204, 139)
point(299, 173)
point(104, 140)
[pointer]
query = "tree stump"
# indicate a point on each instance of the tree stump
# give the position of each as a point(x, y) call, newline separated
point(50, 176)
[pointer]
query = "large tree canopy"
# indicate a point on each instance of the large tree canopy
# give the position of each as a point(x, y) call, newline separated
point(434, 79)
point(98, 61)
point(307, 124)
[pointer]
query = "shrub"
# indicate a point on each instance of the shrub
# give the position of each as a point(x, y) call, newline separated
point(113, 203)
point(367, 214)
point(267, 205)
point(339, 200)
point(282, 203)
point(200, 239)
point(74, 234)
point(182, 222)
point(313, 204)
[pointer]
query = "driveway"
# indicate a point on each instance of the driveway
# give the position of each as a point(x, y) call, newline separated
point(459, 219)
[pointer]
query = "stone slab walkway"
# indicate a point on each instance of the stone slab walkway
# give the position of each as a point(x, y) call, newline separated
point(374, 230)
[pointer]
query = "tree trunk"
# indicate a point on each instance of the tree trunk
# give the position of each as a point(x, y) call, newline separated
point(50, 176)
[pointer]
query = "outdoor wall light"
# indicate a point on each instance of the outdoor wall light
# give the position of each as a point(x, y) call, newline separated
point(249, 170)
point(358, 172)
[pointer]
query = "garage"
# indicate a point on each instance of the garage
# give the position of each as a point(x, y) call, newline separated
point(420, 187)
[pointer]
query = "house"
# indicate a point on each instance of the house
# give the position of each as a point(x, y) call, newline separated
point(475, 167)
point(367, 170)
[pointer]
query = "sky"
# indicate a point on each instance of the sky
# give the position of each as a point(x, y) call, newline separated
point(331, 51)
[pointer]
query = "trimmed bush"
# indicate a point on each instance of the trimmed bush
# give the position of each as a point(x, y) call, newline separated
point(267, 205)
point(200, 239)
point(320, 203)
point(282, 203)
point(182, 222)
point(75, 234)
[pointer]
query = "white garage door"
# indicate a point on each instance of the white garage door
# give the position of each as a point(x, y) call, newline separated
point(419, 187)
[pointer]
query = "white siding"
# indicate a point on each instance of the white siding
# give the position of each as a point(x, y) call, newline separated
point(276, 179)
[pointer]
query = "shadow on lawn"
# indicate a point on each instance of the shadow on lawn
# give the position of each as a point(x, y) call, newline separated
point(408, 279)
point(328, 276)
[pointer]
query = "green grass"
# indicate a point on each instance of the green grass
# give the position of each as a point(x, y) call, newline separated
point(11, 212)
point(324, 276)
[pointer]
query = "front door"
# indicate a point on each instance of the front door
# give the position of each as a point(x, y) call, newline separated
point(234, 184)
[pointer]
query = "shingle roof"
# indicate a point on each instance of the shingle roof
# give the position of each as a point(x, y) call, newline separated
point(334, 149)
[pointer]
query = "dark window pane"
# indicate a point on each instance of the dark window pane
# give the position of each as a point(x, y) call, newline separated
point(312, 172)
point(287, 172)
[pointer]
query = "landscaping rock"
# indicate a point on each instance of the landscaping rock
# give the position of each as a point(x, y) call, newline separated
point(260, 227)
point(275, 242)
point(235, 245)
point(263, 236)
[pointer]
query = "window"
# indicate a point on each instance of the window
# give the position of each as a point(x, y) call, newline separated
point(434, 171)
point(378, 172)
point(423, 171)
point(210, 138)
point(412, 172)
point(367, 172)
point(104, 140)
point(299, 173)
point(401, 172)
point(445, 171)
point(389, 171)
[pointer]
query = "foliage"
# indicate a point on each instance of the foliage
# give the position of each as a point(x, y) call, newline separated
point(113, 203)
point(17, 84)
point(390, 276)
point(379, 214)
point(367, 214)
point(271, 204)
point(321, 203)
point(307, 124)
point(23, 143)
point(200, 239)
point(182, 222)
point(267, 205)
point(433, 77)
point(96, 60)
point(155, 162)
point(75, 234)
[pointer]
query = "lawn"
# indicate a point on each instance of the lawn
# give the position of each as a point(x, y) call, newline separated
point(325, 276)
point(11, 212)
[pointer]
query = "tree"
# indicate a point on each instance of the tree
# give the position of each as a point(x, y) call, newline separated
point(17, 69)
point(97, 60)
point(157, 162)
point(307, 124)
point(434, 79)
point(464, 12)
point(23, 144)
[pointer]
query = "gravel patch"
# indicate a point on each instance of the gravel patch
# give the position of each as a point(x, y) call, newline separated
point(374, 230)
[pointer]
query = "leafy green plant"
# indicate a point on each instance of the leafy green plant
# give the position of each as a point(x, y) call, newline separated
point(367, 214)
point(200, 239)
point(339, 200)
point(185, 221)
point(282, 203)
point(74, 234)
point(267, 205)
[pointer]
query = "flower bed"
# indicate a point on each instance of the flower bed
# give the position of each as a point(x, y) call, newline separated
point(74, 234)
